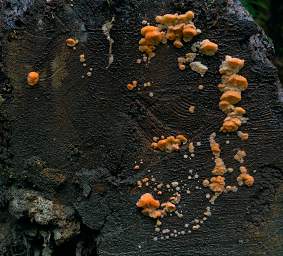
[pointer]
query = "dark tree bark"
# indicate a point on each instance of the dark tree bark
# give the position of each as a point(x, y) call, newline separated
point(68, 146)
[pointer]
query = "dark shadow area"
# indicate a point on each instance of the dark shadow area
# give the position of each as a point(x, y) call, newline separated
point(268, 14)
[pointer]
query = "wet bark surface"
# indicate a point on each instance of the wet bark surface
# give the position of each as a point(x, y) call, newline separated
point(68, 146)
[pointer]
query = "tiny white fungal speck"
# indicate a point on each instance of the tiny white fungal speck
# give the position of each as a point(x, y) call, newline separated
point(151, 94)
point(88, 73)
point(227, 141)
point(155, 238)
point(196, 227)
point(186, 156)
point(230, 169)
point(158, 223)
point(198, 143)
point(200, 87)
point(165, 231)
point(174, 184)
point(144, 22)
point(139, 246)
point(190, 171)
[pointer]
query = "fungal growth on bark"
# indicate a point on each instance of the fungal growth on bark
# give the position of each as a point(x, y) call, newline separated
point(169, 144)
point(71, 42)
point(33, 78)
point(173, 147)
point(208, 48)
point(232, 85)
point(179, 29)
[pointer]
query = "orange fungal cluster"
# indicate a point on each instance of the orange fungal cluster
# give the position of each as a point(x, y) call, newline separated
point(151, 207)
point(170, 144)
point(219, 168)
point(172, 27)
point(217, 184)
point(245, 177)
point(182, 61)
point(240, 155)
point(244, 136)
point(232, 85)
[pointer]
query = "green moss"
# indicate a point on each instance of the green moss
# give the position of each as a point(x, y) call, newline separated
point(259, 9)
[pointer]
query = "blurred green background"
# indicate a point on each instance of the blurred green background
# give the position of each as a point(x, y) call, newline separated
point(269, 15)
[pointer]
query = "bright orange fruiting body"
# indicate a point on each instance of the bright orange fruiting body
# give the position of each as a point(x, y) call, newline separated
point(232, 97)
point(71, 42)
point(217, 184)
point(207, 47)
point(170, 144)
point(33, 78)
point(147, 201)
point(176, 28)
point(245, 177)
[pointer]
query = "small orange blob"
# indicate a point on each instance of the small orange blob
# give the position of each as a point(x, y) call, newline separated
point(149, 206)
point(189, 31)
point(245, 178)
point(219, 168)
point(170, 144)
point(231, 65)
point(238, 82)
point(169, 207)
point(232, 97)
point(71, 42)
point(33, 78)
point(178, 44)
point(217, 184)
point(147, 201)
point(208, 48)
point(132, 85)
point(225, 106)
point(215, 148)
point(243, 135)
point(231, 124)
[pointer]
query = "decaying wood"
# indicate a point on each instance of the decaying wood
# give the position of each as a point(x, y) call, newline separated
point(68, 146)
